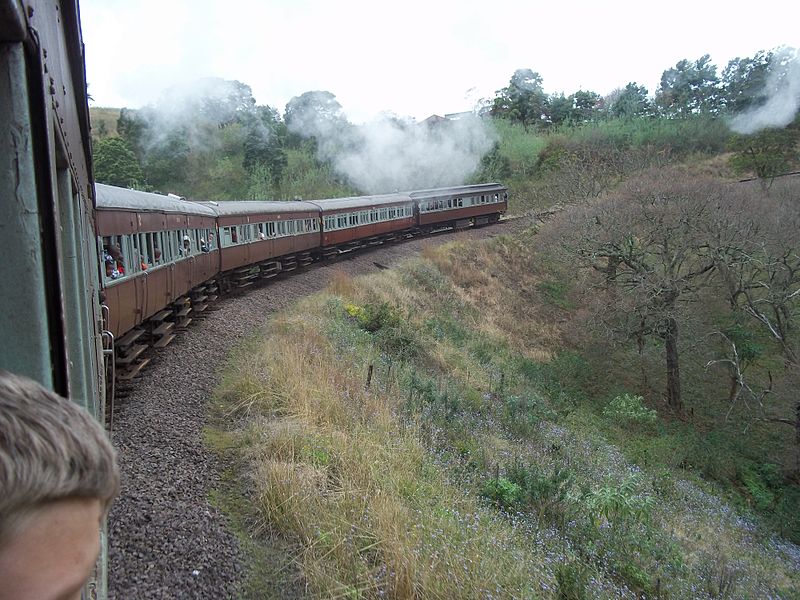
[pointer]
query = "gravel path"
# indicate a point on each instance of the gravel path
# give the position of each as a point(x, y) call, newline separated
point(165, 539)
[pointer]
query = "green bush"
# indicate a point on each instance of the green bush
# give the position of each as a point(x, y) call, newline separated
point(572, 580)
point(629, 408)
point(547, 494)
point(502, 493)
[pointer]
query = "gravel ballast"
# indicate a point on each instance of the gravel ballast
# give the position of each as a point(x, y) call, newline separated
point(165, 538)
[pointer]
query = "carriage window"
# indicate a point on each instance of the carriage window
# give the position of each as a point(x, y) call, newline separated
point(113, 257)
point(153, 251)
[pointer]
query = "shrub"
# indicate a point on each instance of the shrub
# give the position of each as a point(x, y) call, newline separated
point(618, 502)
point(572, 579)
point(629, 408)
point(502, 493)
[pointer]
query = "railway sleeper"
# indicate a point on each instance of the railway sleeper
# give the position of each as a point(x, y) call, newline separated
point(128, 339)
point(130, 355)
point(134, 370)
point(269, 269)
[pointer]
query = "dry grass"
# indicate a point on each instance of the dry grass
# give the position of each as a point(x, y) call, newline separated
point(334, 466)
point(373, 497)
point(104, 122)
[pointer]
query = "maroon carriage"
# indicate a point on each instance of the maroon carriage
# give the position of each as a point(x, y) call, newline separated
point(349, 223)
point(264, 238)
point(154, 250)
point(461, 207)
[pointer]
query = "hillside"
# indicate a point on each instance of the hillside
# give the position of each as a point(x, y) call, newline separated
point(427, 432)
point(103, 121)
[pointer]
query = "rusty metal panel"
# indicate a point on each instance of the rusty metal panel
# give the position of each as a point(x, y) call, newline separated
point(343, 236)
point(115, 222)
point(453, 214)
point(121, 299)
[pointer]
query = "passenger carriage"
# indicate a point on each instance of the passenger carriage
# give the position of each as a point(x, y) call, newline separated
point(462, 206)
point(154, 249)
point(349, 223)
point(264, 238)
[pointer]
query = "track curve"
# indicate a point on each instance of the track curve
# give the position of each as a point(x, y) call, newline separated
point(165, 538)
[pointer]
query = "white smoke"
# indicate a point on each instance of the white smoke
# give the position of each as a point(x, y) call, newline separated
point(783, 90)
point(196, 111)
point(390, 154)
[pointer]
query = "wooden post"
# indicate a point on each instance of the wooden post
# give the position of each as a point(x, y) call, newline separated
point(369, 376)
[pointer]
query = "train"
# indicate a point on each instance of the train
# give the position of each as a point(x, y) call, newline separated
point(51, 323)
point(93, 275)
point(164, 258)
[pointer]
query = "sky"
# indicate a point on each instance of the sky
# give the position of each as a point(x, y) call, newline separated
point(413, 58)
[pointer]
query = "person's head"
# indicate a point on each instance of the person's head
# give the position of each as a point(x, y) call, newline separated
point(58, 477)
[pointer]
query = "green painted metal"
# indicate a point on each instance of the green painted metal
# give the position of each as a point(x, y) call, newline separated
point(24, 342)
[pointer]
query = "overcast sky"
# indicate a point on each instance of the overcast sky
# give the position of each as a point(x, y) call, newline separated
point(413, 58)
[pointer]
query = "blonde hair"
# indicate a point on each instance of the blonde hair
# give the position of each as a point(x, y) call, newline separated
point(50, 449)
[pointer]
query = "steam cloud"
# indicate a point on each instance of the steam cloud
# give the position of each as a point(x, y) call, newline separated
point(195, 111)
point(391, 154)
point(783, 87)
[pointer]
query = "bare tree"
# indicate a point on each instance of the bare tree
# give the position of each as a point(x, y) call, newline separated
point(650, 243)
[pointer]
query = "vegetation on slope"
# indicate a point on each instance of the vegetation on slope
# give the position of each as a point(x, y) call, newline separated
point(428, 432)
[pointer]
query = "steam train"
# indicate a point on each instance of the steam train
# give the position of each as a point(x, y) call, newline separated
point(163, 258)
point(92, 274)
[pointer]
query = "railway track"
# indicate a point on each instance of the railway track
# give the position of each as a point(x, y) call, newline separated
point(165, 538)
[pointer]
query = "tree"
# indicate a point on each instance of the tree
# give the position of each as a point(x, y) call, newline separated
point(630, 102)
point(768, 153)
point(744, 82)
point(579, 107)
point(559, 109)
point(585, 105)
point(649, 245)
point(264, 143)
point(689, 88)
point(523, 100)
point(168, 162)
point(311, 112)
point(116, 164)
point(132, 128)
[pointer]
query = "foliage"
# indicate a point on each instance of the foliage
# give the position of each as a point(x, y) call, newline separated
point(502, 492)
point(745, 81)
point(690, 87)
point(573, 581)
point(628, 407)
point(619, 501)
point(767, 153)
point(116, 164)
point(523, 100)
point(630, 102)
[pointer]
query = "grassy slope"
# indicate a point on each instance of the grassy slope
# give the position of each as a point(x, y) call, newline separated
point(470, 468)
point(103, 121)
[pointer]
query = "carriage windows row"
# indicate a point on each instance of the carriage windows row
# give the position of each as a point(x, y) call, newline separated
point(127, 255)
point(243, 234)
point(449, 203)
point(366, 217)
